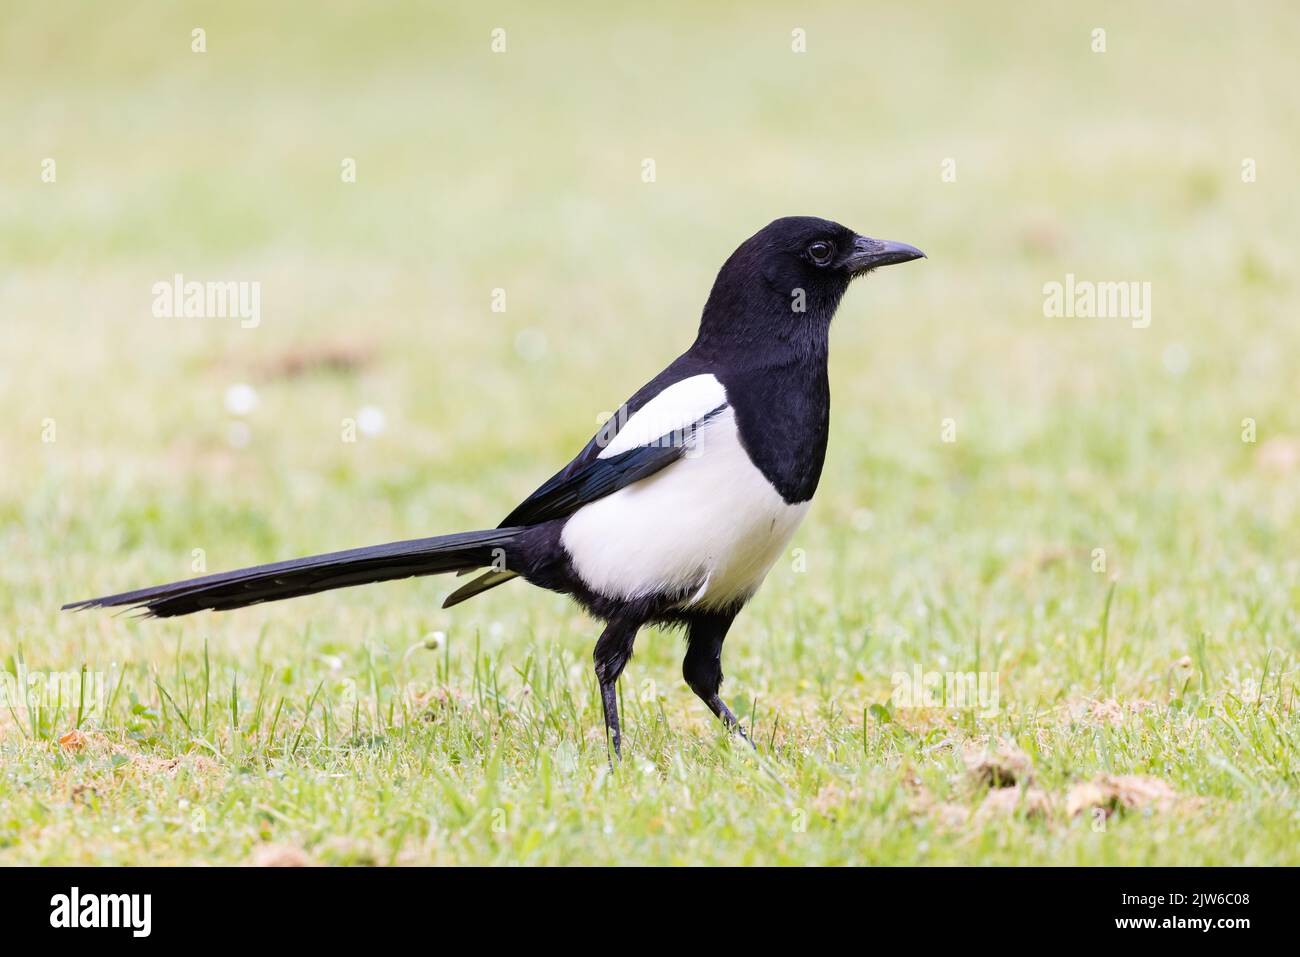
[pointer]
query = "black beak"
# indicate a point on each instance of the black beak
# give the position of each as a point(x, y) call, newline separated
point(870, 253)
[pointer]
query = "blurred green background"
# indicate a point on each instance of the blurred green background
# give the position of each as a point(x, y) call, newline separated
point(522, 171)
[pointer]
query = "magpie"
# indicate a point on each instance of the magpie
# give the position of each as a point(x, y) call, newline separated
point(677, 508)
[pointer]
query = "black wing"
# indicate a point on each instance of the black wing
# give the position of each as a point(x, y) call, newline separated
point(589, 477)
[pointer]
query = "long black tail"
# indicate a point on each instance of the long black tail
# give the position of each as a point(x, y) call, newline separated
point(306, 576)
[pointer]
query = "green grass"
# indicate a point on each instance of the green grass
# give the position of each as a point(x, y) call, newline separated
point(325, 730)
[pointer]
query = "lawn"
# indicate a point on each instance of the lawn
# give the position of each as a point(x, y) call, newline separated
point(1095, 517)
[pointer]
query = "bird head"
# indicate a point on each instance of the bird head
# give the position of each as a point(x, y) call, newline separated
point(785, 282)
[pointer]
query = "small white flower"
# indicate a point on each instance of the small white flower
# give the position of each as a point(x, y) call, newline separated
point(371, 420)
point(241, 399)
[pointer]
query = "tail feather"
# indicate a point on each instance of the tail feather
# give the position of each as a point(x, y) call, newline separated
point(479, 585)
point(464, 551)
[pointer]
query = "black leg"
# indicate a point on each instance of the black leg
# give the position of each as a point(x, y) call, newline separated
point(613, 649)
point(702, 667)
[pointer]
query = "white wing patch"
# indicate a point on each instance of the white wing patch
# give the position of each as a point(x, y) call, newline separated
point(709, 526)
point(670, 413)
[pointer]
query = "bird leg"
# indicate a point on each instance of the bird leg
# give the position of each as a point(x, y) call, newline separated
point(613, 649)
point(702, 667)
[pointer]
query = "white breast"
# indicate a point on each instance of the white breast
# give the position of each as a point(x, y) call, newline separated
point(709, 526)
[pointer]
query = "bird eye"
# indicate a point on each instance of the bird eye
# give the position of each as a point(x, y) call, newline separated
point(821, 252)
